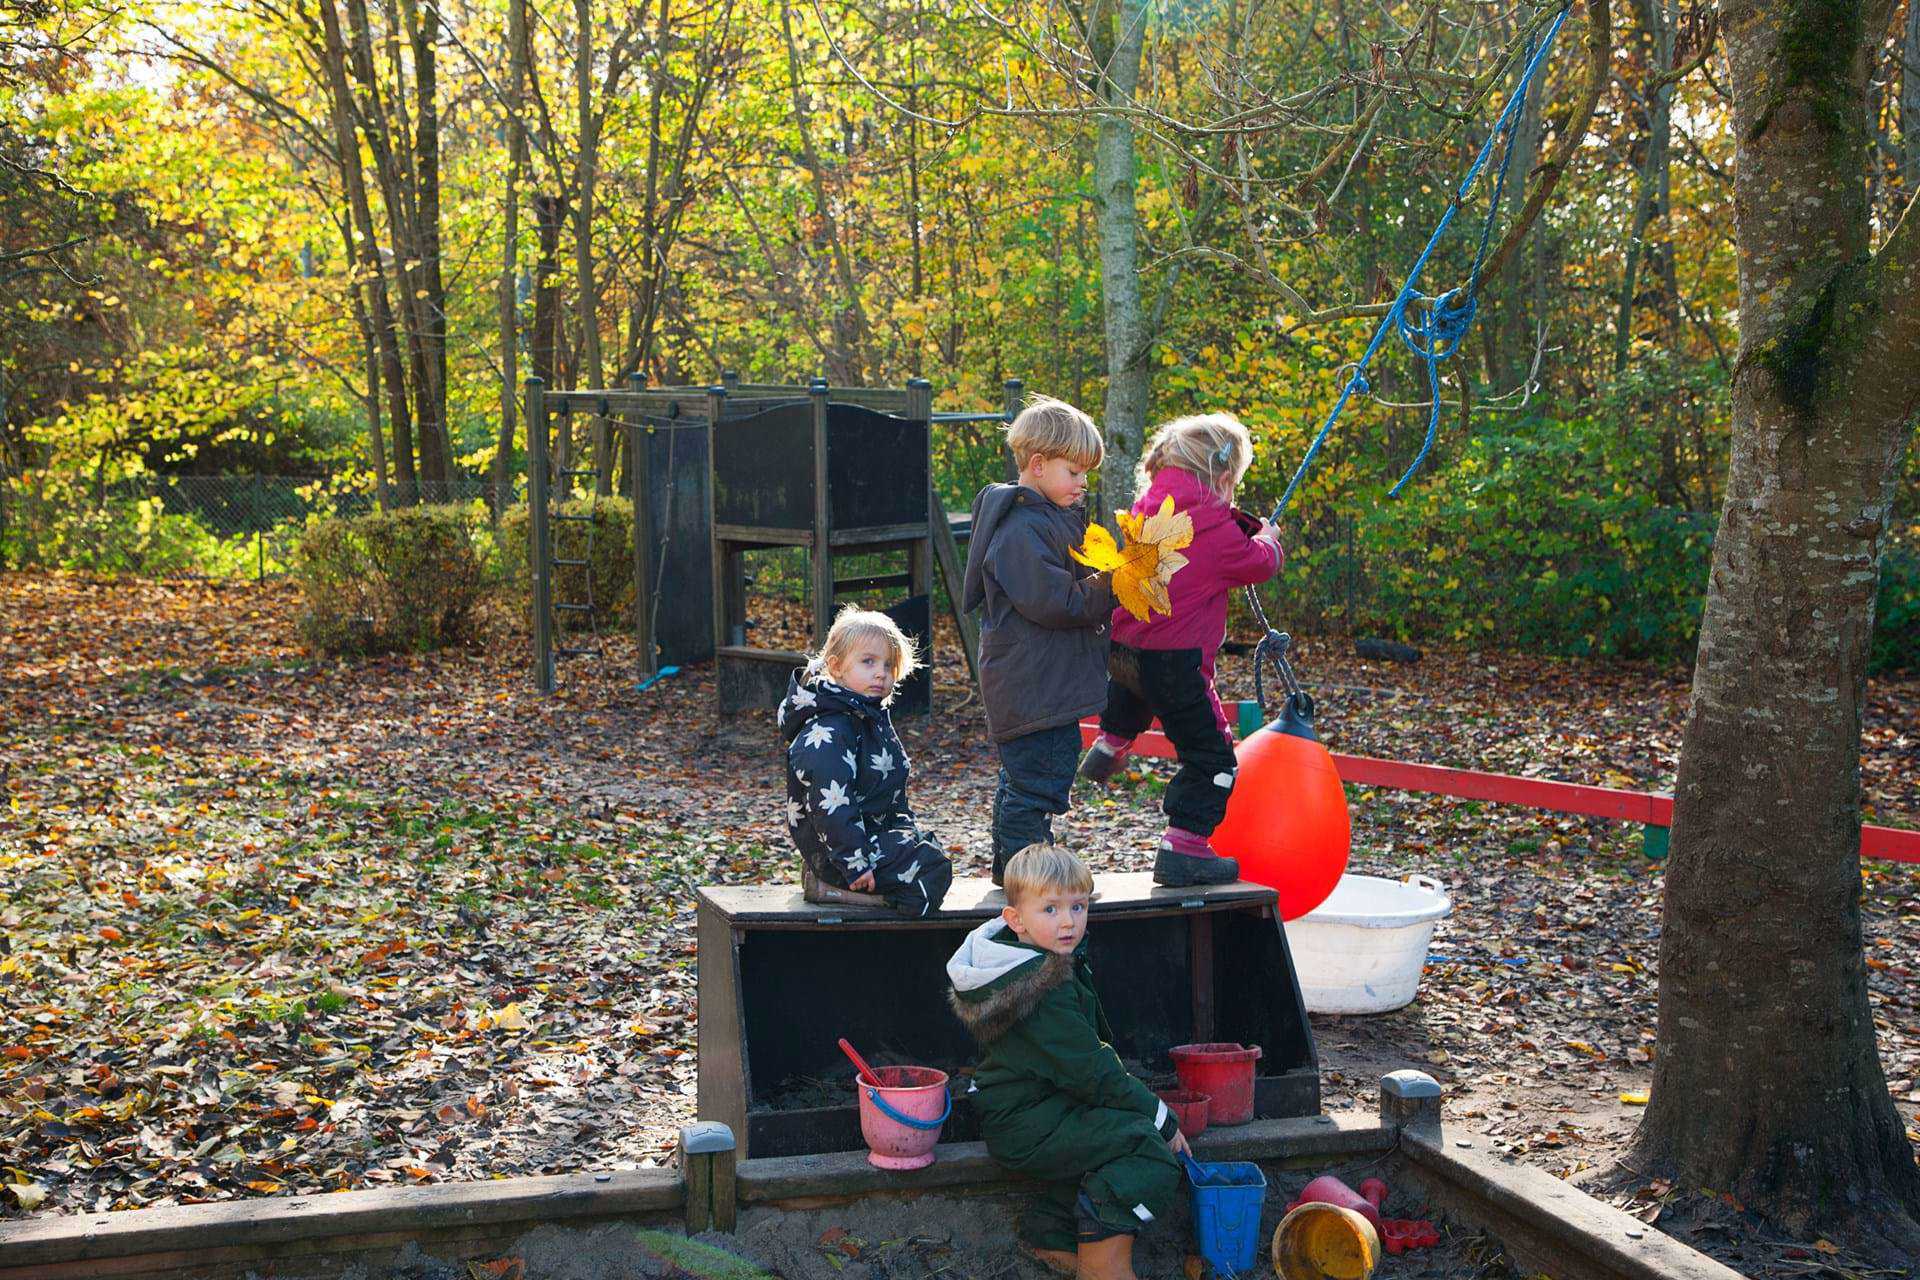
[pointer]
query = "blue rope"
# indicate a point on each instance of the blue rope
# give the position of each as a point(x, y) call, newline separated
point(1442, 322)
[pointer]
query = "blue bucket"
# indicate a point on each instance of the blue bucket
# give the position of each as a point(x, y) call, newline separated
point(1227, 1199)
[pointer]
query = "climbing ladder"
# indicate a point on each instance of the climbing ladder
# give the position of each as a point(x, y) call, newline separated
point(547, 509)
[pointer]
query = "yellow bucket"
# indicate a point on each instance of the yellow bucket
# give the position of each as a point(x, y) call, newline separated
point(1325, 1242)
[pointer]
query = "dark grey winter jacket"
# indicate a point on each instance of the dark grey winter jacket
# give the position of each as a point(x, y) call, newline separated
point(1043, 615)
point(847, 773)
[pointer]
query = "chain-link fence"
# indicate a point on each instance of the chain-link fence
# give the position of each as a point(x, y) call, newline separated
point(175, 526)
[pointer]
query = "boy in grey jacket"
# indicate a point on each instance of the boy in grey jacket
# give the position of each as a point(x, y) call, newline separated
point(1043, 620)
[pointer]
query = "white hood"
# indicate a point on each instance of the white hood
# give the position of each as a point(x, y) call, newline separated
point(983, 959)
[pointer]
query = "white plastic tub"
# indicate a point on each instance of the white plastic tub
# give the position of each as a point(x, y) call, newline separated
point(1362, 950)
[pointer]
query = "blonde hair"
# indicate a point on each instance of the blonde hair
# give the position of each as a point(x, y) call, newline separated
point(854, 624)
point(1216, 447)
point(1055, 429)
point(1040, 867)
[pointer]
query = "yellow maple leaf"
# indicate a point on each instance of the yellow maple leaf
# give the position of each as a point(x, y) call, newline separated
point(1144, 567)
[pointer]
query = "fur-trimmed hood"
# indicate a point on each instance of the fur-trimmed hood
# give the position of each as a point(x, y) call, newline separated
point(999, 980)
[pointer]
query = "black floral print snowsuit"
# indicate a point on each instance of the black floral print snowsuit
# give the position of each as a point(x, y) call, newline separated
point(847, 796)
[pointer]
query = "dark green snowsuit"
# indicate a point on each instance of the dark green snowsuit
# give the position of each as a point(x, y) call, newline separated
point(1053, 1100)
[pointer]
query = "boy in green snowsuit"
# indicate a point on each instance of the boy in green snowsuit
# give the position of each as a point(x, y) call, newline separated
point(1053, 1100)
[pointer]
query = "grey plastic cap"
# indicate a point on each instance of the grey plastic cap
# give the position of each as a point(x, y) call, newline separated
point(1409, 1084)
point(1410, 1100)
point(705, 1137)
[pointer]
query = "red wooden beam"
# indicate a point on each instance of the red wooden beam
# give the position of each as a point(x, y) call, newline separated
point(1649, 808)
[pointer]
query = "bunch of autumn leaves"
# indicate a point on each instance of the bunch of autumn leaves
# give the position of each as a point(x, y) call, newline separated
point(1143, 567)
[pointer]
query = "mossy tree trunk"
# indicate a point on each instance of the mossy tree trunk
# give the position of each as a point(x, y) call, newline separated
point(1767, 1083)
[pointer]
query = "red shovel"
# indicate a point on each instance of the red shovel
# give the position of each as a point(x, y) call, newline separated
point(866, 1072)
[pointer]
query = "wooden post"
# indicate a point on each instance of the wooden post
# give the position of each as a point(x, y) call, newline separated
point(707, 1162)
point(1410, 1100)
point(1014, 399)
point(640, 478)
point(539, 552)
point(822, 558)
point(920, 553)
point(722, 553)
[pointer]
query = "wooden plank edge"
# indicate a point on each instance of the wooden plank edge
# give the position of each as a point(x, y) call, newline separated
point(1549, 1225)
point(279, 1219)
point(966, 1166)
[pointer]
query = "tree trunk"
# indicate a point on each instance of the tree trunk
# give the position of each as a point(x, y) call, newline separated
point(850, 318)
point(364, 250)
point(1648, 207)
point(1513, 327)
point(1767, 1083)
point(436, 448)
point(400, 322)
point(1117, 33)
point(1910, 100)
point(585, 174)
point(510, 256)
point(370, 357)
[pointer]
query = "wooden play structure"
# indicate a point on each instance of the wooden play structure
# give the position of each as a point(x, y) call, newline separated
point(719, 472)
point(668, 444)
point(1175, 966)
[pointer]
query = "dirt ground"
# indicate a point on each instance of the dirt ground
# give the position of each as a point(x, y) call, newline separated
point(958, 1238)
point(280, 925)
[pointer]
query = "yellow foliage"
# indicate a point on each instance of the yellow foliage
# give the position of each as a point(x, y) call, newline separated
point(1144, 567)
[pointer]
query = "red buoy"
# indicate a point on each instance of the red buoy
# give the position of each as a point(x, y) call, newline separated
point(1287, 820)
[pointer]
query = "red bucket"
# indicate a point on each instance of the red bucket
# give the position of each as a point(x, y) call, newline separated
point(1224, 1072)
point(1189, 1108)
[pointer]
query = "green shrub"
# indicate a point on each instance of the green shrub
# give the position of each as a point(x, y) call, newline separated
point(608, 549)
point(1529, 540)
point(1896, 611)
point(124, 535)
point(388, 581)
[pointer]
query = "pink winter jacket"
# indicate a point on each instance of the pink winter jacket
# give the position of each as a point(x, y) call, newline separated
point(1221, 557)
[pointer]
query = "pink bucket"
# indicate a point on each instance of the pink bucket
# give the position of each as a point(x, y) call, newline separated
point(901, 1120)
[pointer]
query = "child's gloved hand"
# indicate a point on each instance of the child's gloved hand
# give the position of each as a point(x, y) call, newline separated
point(1178, 1144)
point(864, 884)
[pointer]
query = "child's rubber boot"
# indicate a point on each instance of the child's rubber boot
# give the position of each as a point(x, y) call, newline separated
point(1187, 859)
point(1109, 1259)
point(1062, 1262)
point(1104, 758)
point(1103, 1254)
point(816, 890)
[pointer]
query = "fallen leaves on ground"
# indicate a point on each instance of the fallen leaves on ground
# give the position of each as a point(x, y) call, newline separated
point(278, 925)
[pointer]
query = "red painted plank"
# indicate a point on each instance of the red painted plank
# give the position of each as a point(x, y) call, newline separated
point(1506, 788)
point(1652, 808)
point(1891, 843)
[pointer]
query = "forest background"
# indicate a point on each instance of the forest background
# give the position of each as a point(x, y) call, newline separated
point(267, 261)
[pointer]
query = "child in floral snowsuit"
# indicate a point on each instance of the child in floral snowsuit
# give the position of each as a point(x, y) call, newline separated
point(847, 772)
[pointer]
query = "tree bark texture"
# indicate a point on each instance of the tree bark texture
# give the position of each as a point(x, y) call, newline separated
point(1910, 99)
point(848, 360)
point(586, 174)
point(1767, 1083)
point(1653, 185)
point(436, 444)
point(510, 256)
point(372, 280)
point(1117, 35)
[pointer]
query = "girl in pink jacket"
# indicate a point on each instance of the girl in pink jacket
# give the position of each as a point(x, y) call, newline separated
point(1164, 667)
